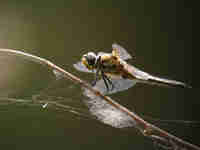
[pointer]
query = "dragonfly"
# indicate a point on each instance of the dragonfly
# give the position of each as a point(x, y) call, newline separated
point(109, 66)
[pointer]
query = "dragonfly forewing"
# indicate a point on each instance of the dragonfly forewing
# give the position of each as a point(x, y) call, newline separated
point(80, 67)
point(121, 52)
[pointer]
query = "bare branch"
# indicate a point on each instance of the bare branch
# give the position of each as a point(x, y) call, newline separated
point(156, 134)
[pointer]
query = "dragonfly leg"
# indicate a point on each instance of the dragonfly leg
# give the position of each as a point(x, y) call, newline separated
point(110, 82)
point(93, 83)
point(105, 80)
point(95, 78)
point(96, 74)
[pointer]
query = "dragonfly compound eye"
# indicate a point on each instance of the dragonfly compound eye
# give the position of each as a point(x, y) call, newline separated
point(89, 60)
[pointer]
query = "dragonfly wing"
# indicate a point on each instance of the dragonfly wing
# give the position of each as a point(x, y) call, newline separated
point(57, 74)
point(102, 53)
point(120, 52)
point(119, 85)
point(106, 113)
point(80, 67)
point(146, 78)
point(167, 82)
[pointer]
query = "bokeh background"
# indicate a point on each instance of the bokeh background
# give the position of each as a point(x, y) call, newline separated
point(159, 33)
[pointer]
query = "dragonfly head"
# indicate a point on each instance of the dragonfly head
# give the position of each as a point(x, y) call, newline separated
point(89, 60)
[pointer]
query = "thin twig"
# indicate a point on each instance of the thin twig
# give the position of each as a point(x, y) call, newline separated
point(146, 128)
point(47, 104)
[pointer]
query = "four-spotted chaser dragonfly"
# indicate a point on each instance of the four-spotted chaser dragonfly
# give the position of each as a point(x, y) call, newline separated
point(108, 66)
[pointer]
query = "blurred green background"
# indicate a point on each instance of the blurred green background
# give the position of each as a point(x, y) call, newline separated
point(159, 32)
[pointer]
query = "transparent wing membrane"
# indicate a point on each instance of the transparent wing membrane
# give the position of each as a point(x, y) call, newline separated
point(80, 67)
point(120, 51)
point(119, 85)
point(106, 113)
